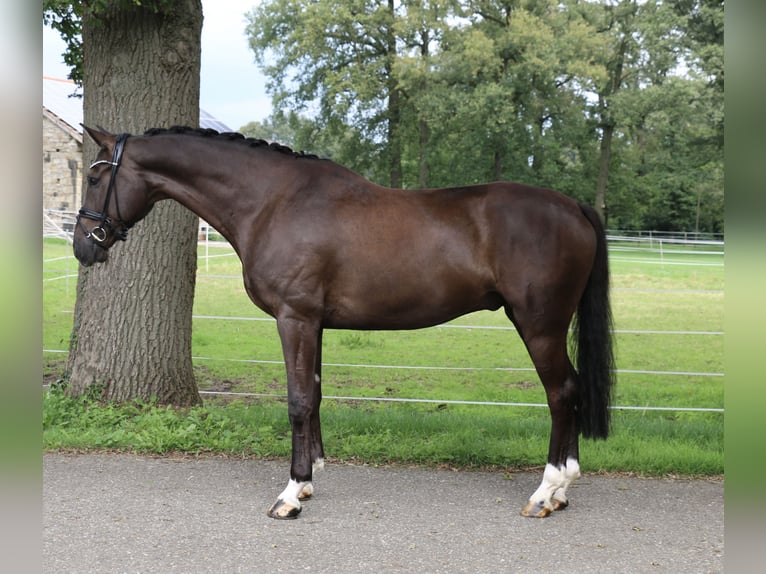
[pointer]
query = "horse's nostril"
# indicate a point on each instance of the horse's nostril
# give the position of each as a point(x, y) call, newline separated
point(87, 252)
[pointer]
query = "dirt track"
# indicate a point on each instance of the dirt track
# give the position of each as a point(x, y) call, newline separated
point(122, 513)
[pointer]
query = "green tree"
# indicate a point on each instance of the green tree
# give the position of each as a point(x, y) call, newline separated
point(335, 59)
point(703, 36)
point(344, 144)
point(343, 62)
point(588, 97)
point(652, 117)
point(422, 26)
point(676, 180)
point(279, 127)
point(509, 88)
point(139, 67)
point(617, 22)
point(65, 16)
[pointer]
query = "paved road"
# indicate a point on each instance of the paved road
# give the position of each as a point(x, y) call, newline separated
point(122, 513)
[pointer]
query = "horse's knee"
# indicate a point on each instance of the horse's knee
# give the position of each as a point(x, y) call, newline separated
point(299, 410)
point(563, 397)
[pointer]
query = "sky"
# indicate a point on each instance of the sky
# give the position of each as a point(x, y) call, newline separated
point(232, 88)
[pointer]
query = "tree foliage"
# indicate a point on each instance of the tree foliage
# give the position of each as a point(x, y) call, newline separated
point(618, 103)
point(65, 16)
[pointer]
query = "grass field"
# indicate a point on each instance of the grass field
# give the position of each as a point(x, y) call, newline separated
point(668, 311)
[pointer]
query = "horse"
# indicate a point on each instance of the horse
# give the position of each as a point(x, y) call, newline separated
point(324, 248)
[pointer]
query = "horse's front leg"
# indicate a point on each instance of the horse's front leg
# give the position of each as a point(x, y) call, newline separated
point(300, 345)
point(316, 446)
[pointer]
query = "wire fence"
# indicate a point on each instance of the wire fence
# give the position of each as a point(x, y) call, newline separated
point(59, 224)
point(666, 247)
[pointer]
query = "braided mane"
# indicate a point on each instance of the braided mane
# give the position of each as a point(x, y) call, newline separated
point(229, 136)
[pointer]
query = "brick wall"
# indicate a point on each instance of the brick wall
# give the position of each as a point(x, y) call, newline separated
point(62, 166)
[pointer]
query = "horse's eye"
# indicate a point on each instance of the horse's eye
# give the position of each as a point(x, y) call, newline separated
point(92, 180)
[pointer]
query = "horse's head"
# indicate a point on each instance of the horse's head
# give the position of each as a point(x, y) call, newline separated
point(115, 199)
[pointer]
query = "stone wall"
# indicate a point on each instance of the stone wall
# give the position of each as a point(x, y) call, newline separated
point(62, 165)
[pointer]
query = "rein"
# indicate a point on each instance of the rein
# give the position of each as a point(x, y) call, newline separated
point(106, 225)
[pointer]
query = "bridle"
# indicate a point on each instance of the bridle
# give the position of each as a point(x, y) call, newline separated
point(106, 225)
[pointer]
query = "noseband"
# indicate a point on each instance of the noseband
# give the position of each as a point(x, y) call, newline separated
point(106, 226)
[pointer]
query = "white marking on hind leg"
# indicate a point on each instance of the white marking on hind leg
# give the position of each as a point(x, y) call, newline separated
point(571, 473)
point(308, 487)
point(555, 482)
point(306, 492)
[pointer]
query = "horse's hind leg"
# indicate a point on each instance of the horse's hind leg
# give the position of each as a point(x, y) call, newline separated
point(548, 353)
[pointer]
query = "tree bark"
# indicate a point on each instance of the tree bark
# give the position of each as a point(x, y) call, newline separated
point(497, 165)
point(394, 139)
point(602, 180)
point(425, 139)
point(133, 316)
point(424, 131)
point(394, 105)
point(615, 67)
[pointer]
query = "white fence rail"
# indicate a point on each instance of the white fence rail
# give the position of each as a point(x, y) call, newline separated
point(60, 224)
point(666, 248)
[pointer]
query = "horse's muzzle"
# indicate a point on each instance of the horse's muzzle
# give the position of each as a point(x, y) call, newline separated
point(89, 252)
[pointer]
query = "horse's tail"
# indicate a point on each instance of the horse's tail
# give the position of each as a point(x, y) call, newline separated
point(593, 340)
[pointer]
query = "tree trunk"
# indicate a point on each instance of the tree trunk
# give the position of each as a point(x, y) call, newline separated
point(133, 316)
point(602, 180)
point(497, 165)
point(615, 68)
point(424, 131)
point(394, 139)
point(425, 138)
point(394, 105)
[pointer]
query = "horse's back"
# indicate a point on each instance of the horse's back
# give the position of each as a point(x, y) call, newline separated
point(402, 259)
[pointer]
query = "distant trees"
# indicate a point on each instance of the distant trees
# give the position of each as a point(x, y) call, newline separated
point(618, 103)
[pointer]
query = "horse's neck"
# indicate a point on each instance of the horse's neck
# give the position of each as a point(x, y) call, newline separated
point(225, 197)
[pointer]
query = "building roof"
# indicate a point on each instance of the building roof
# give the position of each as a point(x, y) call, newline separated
point(61, 106)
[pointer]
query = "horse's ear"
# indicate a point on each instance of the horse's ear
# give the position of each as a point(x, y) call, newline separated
point(102, 137)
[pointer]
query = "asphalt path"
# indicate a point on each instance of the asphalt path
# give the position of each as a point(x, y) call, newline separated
point(107, 513)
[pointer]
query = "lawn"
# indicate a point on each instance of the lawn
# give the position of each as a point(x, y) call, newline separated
point(668, 311)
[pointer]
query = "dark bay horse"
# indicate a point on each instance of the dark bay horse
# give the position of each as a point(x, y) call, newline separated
point(321, 247)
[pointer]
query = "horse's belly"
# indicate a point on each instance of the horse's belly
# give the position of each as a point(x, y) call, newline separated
point(386, 307)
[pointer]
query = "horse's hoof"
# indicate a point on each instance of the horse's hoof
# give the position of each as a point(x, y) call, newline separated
point(281, 510)
point(560, 504)
point(535, 510)
point(307, 492)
